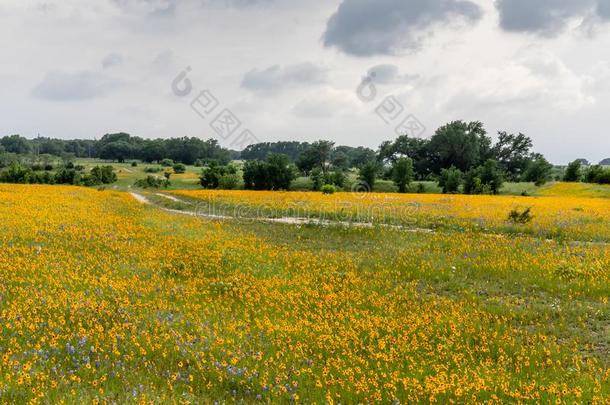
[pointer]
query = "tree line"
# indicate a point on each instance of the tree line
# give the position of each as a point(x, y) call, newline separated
point(121, 147)
point(460, 156)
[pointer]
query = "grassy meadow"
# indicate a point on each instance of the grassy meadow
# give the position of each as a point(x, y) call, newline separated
point(440, 300)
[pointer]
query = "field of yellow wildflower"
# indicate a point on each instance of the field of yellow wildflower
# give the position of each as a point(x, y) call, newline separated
point(557, 216)
point(107, 300)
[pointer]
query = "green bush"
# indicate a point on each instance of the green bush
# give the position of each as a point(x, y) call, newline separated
point(167, 163)
point(368, 175)
point(179, 168)
point(100, 175)
point(597, 174)
point(211, 176)
point(152, 182)
point(328, 189)
point(403, 174)
point(450, 180)
point(229, 181)
point(275, 173)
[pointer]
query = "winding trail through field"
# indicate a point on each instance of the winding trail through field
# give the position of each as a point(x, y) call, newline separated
point(313, 221)
point(283, 220)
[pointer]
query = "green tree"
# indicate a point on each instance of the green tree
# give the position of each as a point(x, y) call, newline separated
point(368, 174)
point(16, 144)
point(318, 154)
point(539, 170)
point(403, 174)
point(119, 151)
point(460, 144)
point(573, 172)
point(255, 175)
point(472, 181)
point(414, 148)
point(450, 180)
point(212, 175)
point(280, 172)
point(492, 176)
point(513, 153)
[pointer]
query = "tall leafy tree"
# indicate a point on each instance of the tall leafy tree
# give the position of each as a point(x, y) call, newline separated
point(318, 154)
point(403, 174)
point(539, 170)
point(513, 153)
point(368, 174)
point(459, 144)
point(573, 172)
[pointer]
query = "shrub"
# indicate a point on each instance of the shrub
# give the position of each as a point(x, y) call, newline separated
point(15, 173)
point(68, 176)
point(421, 188)
point(229, 181)
point(211, 176)
point(167, 163)
point(317, 179)
point(597, 174)
point(152, 182)
point(450, 180)
point(276, 173)
point(472, 181)
point(337, 178)
point(100, 175)
point(520, 217)
point(152, 169)
point(179, 168)
point(328, 189)
point(492, 176)
point(134, 164)
point(368, 174)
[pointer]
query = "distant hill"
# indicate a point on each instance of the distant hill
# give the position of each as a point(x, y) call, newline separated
point(605, 162)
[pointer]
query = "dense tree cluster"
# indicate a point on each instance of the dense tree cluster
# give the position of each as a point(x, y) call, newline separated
point(460, 156)
point(308, 156)
point(274, 173)
point(121, 147)
point(66, 174)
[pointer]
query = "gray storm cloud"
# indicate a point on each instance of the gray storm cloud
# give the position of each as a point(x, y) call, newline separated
point(548, 17)
point(385, 27)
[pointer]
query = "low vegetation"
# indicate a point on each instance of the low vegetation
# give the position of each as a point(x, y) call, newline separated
point(108, 300)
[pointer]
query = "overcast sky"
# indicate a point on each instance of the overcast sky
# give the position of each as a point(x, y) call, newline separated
point(293, 69)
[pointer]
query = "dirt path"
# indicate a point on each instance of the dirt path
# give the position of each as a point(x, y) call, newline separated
point(284, 220)
point(313, 221)
point(172, 198)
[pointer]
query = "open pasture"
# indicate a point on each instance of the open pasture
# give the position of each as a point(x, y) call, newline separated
point(105, 299)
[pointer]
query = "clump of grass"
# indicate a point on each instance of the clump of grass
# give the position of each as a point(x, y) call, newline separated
point(521, 217)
